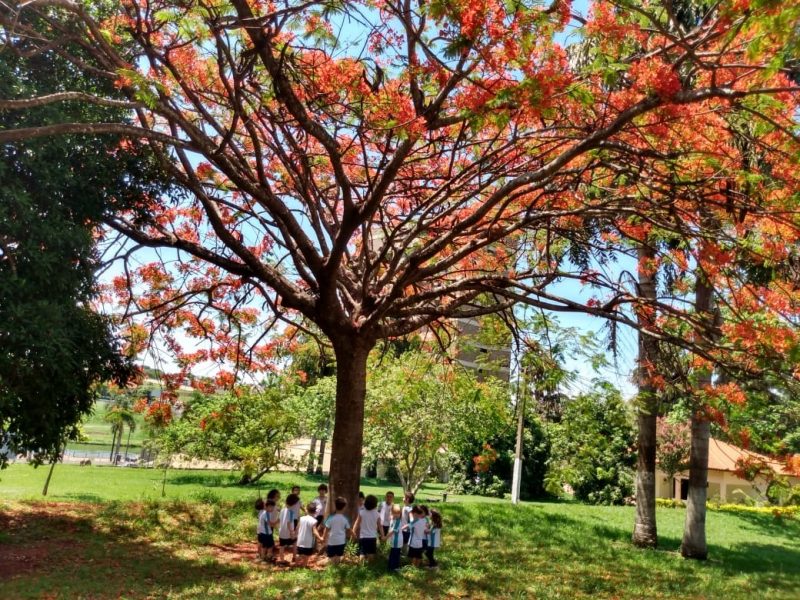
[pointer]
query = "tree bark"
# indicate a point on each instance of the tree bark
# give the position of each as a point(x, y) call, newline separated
point(321, 457)
point(645, 533)
point(348, 429)
point(119, 443)
point(49, 475)
point(113, 444)
point(311, 448)
point(128, 444)
point(694, 528)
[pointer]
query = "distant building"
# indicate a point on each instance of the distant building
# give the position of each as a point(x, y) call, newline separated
point(474, 353)
point(724, 484)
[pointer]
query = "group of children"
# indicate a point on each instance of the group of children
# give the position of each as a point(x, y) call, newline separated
point(408, 527)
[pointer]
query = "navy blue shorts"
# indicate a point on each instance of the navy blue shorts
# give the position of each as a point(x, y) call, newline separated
point(406, 536)
point(305, 551)
point(285, 542)
point(414, 552)
point(335, 551)
point(367, 546)
point(385, 530)
point(266, 541)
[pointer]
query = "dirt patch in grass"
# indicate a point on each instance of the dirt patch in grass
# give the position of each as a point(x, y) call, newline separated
point(234, 553)
point(19, 559)
point(246, 553)
point(42, 536)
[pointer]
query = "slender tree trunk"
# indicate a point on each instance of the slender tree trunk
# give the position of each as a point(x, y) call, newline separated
point(164, 480)
point(49, 475)
point(645, 533)
point(114, 432)
point(403, 481)
point(321, 457)
point(348, 430)
point(128, 445)
point(53, 466)
point(694, 528)
point(119, 444)
point(311, 448)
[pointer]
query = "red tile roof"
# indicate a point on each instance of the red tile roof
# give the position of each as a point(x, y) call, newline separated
point(722, 456)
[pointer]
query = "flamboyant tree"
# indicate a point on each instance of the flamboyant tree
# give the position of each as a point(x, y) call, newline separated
point(376, 167)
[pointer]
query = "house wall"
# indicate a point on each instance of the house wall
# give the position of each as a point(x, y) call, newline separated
point(723, 486)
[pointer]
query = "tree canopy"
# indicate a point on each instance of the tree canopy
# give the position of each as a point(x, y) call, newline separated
point(53, 194)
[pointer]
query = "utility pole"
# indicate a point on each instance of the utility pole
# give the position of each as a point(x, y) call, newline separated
point(516, 481)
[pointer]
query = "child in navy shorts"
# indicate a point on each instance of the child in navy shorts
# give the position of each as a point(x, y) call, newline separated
point(336, 527)
point(368, 525)
point(417, 528)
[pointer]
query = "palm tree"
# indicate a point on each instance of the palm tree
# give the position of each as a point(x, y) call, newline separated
point(120, 415)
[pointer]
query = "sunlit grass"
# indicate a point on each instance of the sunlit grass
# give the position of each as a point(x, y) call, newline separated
point(131, 545)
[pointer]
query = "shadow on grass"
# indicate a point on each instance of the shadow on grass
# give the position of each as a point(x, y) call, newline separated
point(81, 497)
point(778, 527)
point(204, 479)
point(44, 551)
point(594, 556)
point(777, 564)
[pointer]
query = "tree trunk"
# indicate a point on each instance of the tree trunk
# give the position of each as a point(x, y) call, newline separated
point(56, 458)
point(312, 446)
point(348, 429)
point(402, 478)
point(694, 528)
point(113, 443)
point(321, 457)
point(254, 478)
point(645, 533)
point(49, 475)
point(128, 445)
point(164, 480)
point(119, 444)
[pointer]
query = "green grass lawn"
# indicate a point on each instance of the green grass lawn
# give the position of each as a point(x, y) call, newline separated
point(104, 534)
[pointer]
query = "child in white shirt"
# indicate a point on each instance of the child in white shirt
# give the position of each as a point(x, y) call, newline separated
point(395, 537)
point(367, 526)
point(266, 522)
point(321, 501)
point(434, 538)
point(408, 501)
point(385, 509)
point(287, 532)
point(417, 528)
point(307, 534)
point(336, 527)
point(260, 528)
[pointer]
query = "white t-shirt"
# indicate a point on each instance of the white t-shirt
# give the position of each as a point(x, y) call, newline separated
point(286, 530)
point(435, 538)
point(320, 502)
point(406, 514)
point(305, 531)
point(274, 519)
point(369, 524)
point(265, 522)
point(386, 513)
point(338, 525)
point(261, 525)
point(417, 529)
